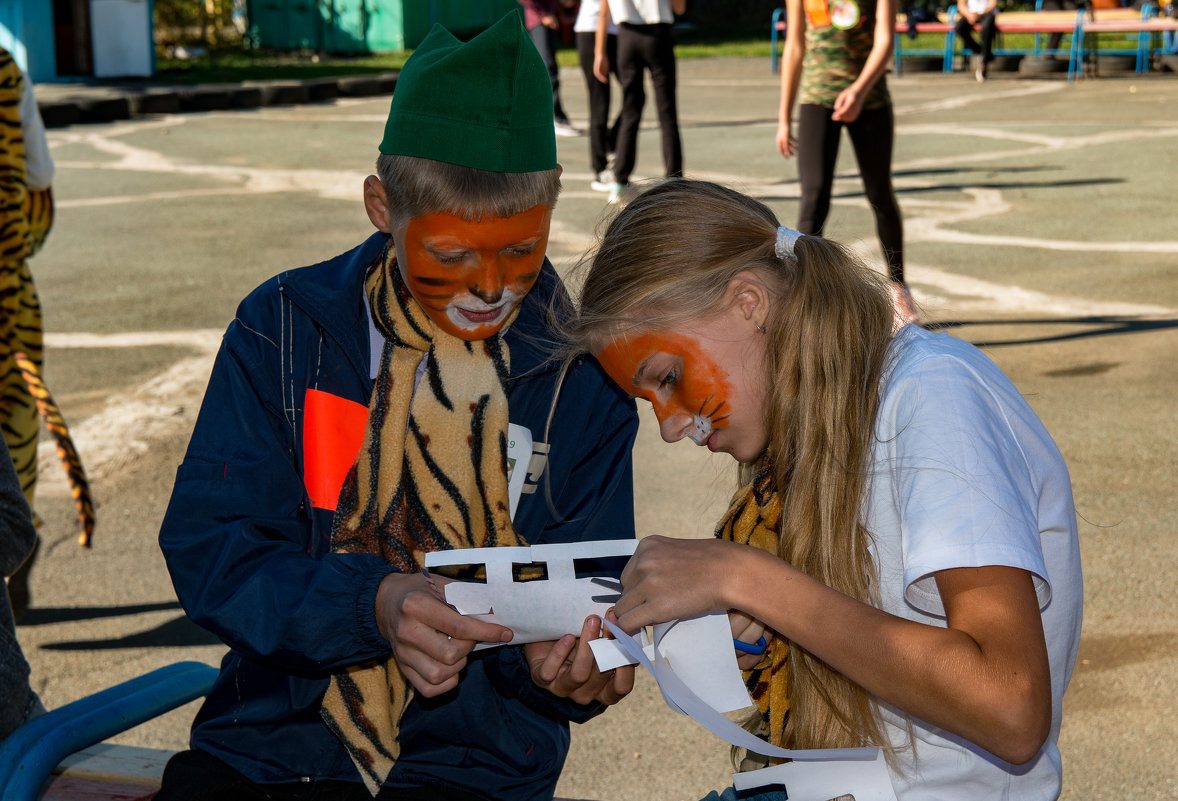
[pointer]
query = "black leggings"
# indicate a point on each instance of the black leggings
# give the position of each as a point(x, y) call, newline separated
point(818, 148)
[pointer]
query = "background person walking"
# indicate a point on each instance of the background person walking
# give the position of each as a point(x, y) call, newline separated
point(603, 136)
point(541, 18)
point(645, 42)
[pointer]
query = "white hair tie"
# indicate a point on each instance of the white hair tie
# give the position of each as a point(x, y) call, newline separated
point(786, 237)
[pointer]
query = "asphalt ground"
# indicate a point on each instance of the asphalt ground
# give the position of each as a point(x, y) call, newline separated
point(1039, 225)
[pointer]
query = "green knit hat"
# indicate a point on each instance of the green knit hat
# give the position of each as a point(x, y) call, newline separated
point(486, 103)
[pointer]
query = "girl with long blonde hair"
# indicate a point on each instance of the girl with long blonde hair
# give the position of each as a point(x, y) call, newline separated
point(902, 554)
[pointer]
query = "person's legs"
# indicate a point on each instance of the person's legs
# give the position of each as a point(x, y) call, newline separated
point(630, 67)
point(662, 76)
point(545, 41)
point(611, 50)
point(196, 776)
point(599, 94)
point(989, 30)
point(872, 136)
point(818, 149)
point(18, 702)
point(964, 32)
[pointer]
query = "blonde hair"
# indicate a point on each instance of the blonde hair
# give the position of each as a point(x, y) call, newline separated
point(668, 257)
point(417, 186)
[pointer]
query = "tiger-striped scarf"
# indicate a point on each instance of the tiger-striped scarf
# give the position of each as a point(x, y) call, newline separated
point(753, 519)
point(431, 475)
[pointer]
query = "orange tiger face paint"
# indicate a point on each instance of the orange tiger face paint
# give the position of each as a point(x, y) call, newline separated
point(469, 275)
point(702, 385)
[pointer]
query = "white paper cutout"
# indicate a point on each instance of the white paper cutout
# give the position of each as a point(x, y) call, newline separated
point(700, 651)
point(680, 697)
point(539, 610)
point(692, 660)
point(519, 454)
point(823, 780)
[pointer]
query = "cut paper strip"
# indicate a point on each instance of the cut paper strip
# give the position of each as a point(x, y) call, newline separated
point(821, 781)
point(680, 698)
point(700, 651)
point(535, 611)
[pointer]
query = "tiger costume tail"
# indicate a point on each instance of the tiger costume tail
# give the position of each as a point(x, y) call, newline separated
point(56, 425)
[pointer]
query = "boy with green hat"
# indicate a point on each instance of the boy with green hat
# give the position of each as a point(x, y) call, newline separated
point(361, 413)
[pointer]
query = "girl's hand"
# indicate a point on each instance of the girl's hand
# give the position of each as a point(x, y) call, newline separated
point(787, 145)
point(847, 105)
point(747, 629)
point(667, 579)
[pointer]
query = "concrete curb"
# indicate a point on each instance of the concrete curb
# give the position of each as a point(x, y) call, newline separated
point(62, 105)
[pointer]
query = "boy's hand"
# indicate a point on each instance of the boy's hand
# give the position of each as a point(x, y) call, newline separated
point(430, 640)
point(566, 668)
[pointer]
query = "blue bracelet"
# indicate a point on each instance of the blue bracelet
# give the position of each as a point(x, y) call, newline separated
point(756, 648)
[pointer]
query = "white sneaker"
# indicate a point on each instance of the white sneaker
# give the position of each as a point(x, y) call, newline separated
point(566, 128)
point(621, 194)
point(604, 182)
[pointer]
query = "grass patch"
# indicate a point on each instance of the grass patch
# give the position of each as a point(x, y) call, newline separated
point(248, 65)
point(253, 66)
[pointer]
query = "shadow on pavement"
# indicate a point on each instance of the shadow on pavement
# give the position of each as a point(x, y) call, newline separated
point(66, 614)
point(179, 631)
point(1100, 326)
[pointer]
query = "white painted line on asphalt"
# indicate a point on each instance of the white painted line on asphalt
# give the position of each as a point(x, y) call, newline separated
point(205, 339)
point(971, 99)
point(133, 420)
point(975, 294)
point(147, 197)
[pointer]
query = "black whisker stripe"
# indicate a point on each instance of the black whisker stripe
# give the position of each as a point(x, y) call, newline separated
point(719, 406)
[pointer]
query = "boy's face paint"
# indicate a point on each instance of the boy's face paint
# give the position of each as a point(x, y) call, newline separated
point(469, 275)
point(698, 385)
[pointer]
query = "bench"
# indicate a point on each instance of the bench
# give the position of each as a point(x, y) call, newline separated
point(1078, 25)
point(1148, 30)
point(107, 771)
point(30, 755)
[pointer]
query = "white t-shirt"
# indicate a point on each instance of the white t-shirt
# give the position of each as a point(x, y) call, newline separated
point(965, 475)
point(39, 167)
point(641, 12)
point(588, 16)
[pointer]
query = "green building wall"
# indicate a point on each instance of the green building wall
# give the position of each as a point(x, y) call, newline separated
point(365, 26)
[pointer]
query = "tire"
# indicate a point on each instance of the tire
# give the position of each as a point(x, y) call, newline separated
point(923, 63)
point(1042, 66)
point(1006, 63)
point(1115, 63)
point(1169, 62)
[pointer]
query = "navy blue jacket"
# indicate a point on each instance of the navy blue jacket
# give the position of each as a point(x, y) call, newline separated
point(251, 561)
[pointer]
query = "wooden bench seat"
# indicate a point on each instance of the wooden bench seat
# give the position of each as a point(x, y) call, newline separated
point(105, 772)
point(1078, 25)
